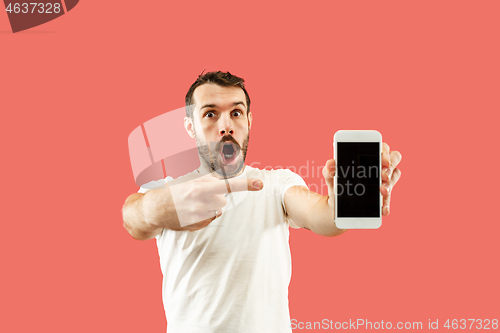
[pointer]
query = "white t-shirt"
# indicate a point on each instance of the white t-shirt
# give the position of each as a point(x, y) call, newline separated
point(233, 275)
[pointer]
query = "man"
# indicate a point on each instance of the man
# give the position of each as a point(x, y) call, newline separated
point(222, 230)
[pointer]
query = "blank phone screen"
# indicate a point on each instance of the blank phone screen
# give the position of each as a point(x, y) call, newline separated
point(358, 189)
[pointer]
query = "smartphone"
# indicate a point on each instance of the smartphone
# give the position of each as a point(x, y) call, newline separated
point(358, 158)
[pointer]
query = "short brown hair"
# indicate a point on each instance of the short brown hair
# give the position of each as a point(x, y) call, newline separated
point(220, 78)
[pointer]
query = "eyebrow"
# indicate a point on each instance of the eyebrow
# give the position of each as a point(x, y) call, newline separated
point(215, 106)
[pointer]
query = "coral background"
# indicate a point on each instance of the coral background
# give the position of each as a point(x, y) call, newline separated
point(425, 74)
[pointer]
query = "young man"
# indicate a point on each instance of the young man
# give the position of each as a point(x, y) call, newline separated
point(228, 270)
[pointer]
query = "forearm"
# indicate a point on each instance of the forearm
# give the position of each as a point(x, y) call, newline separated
point(321, 219)
point(311, 211)
point(145, 215)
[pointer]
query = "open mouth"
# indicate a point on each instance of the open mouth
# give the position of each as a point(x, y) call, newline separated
point(229, 152)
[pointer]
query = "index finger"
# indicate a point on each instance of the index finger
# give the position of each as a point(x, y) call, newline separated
point(236, 185)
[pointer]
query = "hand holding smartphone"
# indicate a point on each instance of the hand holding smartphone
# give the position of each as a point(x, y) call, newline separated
point(358, 201)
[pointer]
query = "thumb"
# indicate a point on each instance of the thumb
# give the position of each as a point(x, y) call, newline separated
point(329, 173)
point(255, 184)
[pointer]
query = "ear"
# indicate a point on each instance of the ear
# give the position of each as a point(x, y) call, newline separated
point(189, 126)
point(249, 120)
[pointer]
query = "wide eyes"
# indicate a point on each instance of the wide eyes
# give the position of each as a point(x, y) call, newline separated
point(234, 113)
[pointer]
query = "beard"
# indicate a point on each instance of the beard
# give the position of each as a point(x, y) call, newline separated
point(211, 156)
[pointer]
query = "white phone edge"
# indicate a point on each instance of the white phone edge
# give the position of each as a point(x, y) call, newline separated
point(357, 136)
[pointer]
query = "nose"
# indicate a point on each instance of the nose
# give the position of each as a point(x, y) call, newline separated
point(226, 126)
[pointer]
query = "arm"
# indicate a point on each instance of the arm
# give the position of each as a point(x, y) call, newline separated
point(310, 210)
point(146, 214)
point(197, 203)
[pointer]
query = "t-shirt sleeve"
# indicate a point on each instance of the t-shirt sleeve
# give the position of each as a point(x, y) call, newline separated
point(154, 184)
point(287, 180)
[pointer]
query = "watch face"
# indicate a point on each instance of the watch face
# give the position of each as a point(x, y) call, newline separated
point(25, 14)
